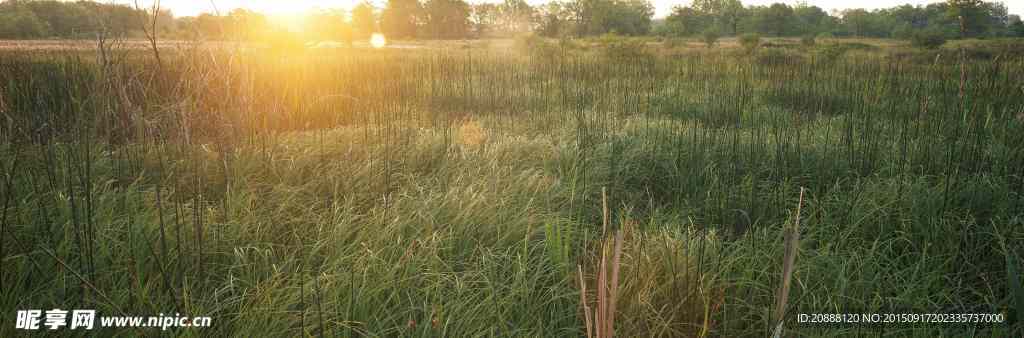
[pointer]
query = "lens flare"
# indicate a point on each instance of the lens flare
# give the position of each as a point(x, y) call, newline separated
point(378, 40)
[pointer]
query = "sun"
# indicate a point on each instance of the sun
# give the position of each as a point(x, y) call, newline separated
point(378, 40)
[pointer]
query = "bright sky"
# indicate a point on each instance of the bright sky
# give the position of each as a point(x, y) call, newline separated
point(662, 7)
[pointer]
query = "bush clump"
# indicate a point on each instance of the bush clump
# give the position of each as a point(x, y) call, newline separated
point(626, 49)
point(831, 51)
point(750, 42)
point(808, 40)
point(710, 37)
point(674, 42)
point(927, 39)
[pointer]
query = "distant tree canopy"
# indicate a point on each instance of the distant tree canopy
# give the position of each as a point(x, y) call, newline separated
point(364, 21)
point(401, 18)
point(458, 19)
point(330, 24)
point(21, 19)
point(978, 19)
point(446, 19)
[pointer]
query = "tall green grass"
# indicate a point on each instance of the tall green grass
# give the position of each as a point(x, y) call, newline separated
point(454, 192)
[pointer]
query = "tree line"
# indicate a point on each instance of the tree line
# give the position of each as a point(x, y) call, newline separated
point(22, 19)
point(952, 19)
point(457, 19)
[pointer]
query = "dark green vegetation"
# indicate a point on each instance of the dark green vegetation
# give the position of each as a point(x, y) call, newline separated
point(458, 19)
point(24, 19)
point(980, 19)
point(454, 192)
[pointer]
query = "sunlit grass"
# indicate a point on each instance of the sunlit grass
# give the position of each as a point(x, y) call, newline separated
point(454, 192)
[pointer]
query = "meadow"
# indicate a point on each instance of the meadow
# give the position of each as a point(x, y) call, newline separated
point(526, 188)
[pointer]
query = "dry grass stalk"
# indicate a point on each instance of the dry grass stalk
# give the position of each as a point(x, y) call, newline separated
point(583, 300)
point(603, 324)
point(792, 240)
point(604, 210)
point(614, 286)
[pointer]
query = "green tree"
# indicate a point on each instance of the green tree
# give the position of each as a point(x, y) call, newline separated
point(970, 15)
point(724, 15)
point(776, 19)
point(913, 17)
point(720, 15)
point(857, 21)
point(750, 42)
point(710, 36)
point(998, 18)
point(811, 20)
point(63, 19)
point(1016, 26)
point(685, 21)
point(22, 24)
point(732, 12)
point(596, 17)
point(446, 19)
point(631, 17)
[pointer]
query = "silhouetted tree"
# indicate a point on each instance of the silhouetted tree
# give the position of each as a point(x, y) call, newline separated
point(400, 18)
point(446, 19)
point(364, 21)
point(776, 19)
point(483, 18)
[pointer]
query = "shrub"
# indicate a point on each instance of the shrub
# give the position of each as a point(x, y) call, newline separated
point(610, 37)
point(750, 42)
point(831, 52)
point(626, 49)
point(673, 42)
point(22, 24)
point(710, 37)
point(927, 39)
point(807, 40)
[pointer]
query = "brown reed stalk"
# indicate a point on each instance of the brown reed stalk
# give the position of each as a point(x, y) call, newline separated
point(604, 210)
point(583, 301)
point(791, 240)
point(603, 324)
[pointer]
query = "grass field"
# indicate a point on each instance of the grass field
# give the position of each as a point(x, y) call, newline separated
point(492, 189)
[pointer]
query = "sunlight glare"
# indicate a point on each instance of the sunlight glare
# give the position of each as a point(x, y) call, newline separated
point(378, 40)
